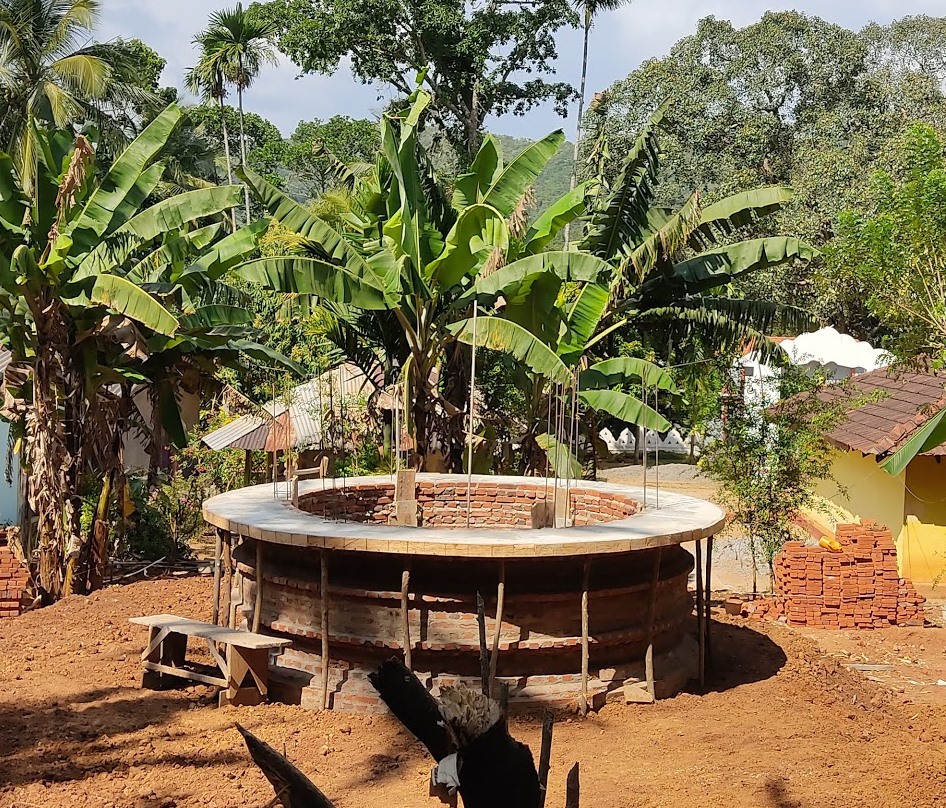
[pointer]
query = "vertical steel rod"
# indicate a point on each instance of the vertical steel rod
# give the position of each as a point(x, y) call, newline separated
point(218, 560)
point(469, 462)
point(709, 602)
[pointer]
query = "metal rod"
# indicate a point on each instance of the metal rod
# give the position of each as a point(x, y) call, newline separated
point(700, 614)
point(218, 553)
point(644, 441)
point(657, 453)
point(571, 440)
point(323, 597)
point(585, 579)
point(497, 629)
point(405, 618)
point(469, 462)
point(651, 617)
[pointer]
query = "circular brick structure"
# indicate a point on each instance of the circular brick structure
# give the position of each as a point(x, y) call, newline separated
point(347, 526)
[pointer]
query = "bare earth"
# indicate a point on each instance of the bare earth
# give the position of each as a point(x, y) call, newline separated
point(784, 725)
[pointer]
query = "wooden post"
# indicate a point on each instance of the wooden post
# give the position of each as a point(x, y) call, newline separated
point(484, 651)
point(651, 616)
point(218, 554)
point(258, 605)
point(248, 468)
point(545, 757)
point(586, 576)
point(709, 602)
point(500, 600)
point(405, 618)
point(573, 788)
point(700, 614)
point(323, 596)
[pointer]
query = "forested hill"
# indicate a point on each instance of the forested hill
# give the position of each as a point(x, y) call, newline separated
point(554, 181)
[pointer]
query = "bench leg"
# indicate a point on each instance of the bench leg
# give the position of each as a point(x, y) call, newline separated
point(246, 664)
point(171, 650)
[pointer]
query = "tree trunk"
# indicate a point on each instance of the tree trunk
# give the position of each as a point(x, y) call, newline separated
point(581, 111)
point(246, 188)
point(456, 391)
point(226, 152)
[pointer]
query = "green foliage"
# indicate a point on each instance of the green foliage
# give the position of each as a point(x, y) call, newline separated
point(792, 100)
point(448, 46)
point(264, 143)
point(894, 250)
point(769, 460)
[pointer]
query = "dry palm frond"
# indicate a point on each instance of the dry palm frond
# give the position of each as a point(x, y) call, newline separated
point(496, 260)
point(518, 220)
point(468, 713)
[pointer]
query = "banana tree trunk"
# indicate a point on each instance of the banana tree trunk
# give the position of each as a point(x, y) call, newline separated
point(456, 391)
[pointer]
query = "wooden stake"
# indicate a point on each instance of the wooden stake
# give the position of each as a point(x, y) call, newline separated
point(545, 757)
point(573, 788)
point(651, 616)
point(709, 602)
point(218, 554)
point(700, 614)
point(323, 592)
point(586, 576)
point(405, 618)
point(500, 600)
point(484, 651)
point(258, 605)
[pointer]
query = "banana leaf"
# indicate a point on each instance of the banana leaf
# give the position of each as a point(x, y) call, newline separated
point(625, 408)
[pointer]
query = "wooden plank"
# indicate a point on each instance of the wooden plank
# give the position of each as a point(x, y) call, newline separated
point(184, 673)
point(484, 651)
point(406, 618)
point(208, 631)
point(545, 757)
point(323, 597)
point(585, 630)
point(258, 603)
point(651, 615)
point(497, 629)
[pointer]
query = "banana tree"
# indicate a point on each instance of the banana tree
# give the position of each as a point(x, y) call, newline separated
point(406, 255)
point(554, 341)
point(86, 329)
point(675, 266)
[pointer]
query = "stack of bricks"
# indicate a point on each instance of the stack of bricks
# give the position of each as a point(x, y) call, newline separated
point(856, 588)
point(14, 580)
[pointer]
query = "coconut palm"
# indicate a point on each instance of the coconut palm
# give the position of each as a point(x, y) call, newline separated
point(50, 77)
point(235, 46)
point(590, 9)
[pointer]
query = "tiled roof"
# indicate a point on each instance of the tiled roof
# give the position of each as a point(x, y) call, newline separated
point(906, 399)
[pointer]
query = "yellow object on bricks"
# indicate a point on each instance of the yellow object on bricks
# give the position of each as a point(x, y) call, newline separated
point(830, 544)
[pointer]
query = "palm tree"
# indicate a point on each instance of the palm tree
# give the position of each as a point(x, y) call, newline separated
point(236, 44)
point(207, 80)
point(50, 79)
point(590, 10)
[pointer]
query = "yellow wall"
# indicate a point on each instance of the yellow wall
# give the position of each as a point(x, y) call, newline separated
point(926, 490)
point(869, 492)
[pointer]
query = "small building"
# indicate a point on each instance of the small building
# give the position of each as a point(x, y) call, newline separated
point(911, 504)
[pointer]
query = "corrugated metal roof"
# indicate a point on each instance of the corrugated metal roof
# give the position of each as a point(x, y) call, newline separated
point(339, 390)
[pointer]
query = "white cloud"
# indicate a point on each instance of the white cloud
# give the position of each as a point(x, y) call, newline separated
point(620, 42)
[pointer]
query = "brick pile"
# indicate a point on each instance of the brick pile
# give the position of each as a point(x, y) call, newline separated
point(856, 588)
point(14, 580)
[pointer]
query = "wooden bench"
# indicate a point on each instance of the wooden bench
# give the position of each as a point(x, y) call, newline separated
point(245, 668)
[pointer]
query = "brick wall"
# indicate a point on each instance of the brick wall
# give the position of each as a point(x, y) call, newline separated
point(444, 504)
point(14, 580)
point(856, 588)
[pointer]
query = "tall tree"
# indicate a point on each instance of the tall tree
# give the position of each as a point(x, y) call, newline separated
point(236, 44)
point(207, 81)
point(51, 77)
point(589, 9)
point(470, 57)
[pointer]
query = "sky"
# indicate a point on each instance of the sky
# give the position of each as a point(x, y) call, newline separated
point(621, 41)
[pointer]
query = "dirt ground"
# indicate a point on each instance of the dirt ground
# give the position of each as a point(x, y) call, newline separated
point(783, 725)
